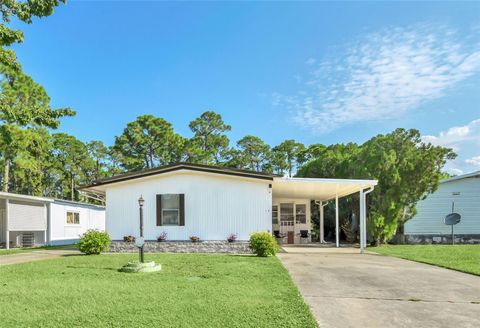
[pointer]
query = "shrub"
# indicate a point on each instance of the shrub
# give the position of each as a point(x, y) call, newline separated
point(162, 236)
point(231, 238)
point(194, 239)
point(262, 243)
point(94, 242)
point(129, 239)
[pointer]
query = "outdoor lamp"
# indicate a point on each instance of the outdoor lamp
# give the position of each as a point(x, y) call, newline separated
point(141, 201)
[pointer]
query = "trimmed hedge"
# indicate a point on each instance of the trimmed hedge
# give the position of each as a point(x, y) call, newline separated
point(94, 242)
point(263, 243)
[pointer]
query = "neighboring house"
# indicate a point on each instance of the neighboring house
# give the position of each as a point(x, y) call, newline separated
point(35, 221)
point(463, 193)
point(213, 202)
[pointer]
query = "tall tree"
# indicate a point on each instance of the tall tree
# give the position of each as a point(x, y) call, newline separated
point(148, 142)
point(23, 103)
point(406, 168)
point(209, 137)
point(32, 162)
point(98, 152)
point(22, 11)
point(254, 154)
point(11, 143)
point(72, 157)
point(287, 156)
point(115, 160)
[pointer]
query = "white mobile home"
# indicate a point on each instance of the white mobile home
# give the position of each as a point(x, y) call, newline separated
point(212, 202)
point(460, 194)
point(27, 221)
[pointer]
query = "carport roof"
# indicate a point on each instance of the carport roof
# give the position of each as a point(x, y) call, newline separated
point(318, 189)
point(13, 196)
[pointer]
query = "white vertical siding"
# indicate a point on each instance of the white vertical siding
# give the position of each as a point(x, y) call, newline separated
point(215, 206)
point(432, 210)
point(26, 216)
point(90, 218)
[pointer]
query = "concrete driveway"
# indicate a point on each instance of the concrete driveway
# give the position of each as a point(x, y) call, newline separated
point(347, 289)
point(36, 255)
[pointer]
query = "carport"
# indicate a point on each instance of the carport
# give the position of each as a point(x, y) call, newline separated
point(324, 191)
point(23, 219)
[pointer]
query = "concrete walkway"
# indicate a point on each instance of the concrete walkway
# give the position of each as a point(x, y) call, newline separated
point(347, 289)
point(37, 255)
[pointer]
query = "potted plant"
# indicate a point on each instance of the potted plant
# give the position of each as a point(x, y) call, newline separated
point(194, 239)
point(129, 239)
point(162, 236)
point(231, 238)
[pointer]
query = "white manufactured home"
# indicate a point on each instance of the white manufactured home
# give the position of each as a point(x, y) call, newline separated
point(27, 221)
point(212, 202)
point(460, 194)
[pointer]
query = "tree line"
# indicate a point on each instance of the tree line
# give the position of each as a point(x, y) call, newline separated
point(38, 162)
point(35, 160)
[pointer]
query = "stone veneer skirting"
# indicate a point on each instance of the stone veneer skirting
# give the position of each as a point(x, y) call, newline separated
point(443, 239)
point(237, 247)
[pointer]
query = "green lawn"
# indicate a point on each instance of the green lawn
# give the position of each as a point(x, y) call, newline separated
point(465, 258)
point(191, 291)
point(30, 249)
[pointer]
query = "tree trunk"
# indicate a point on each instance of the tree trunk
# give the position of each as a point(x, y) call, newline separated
point(6, 175)
point(72, 187)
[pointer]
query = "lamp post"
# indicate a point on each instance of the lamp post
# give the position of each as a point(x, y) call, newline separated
point(141, 242)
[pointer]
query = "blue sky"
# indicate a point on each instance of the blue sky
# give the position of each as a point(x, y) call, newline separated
point(317, 72)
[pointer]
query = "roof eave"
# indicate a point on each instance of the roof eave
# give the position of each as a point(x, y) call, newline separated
point(177, 167)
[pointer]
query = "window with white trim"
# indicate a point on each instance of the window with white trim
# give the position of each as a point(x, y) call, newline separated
point(170, 209)
point(73, 217)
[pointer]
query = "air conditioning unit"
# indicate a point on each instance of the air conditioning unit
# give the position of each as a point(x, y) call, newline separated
point(28, 239)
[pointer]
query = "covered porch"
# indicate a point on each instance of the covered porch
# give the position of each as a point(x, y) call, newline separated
point(291, 214)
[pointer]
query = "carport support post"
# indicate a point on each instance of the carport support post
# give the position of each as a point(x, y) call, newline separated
point(362, 221)
point(337, 230)
point(322, 222)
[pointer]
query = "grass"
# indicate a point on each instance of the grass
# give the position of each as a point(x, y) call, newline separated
point(31, 249)
point(192, 290)
point(464, 258)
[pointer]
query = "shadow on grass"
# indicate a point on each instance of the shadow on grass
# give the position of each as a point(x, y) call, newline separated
point(91, 268)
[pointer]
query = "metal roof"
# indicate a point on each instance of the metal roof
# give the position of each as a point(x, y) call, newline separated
point(14, 196)
point(20, 197)
point(463, 176)
point(318, 189)
point(179, 166)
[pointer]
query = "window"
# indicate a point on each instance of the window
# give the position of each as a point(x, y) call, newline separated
point(274, 214)
point(170, 209)
point(301, 213)
point(73, 217)
point(286, 214)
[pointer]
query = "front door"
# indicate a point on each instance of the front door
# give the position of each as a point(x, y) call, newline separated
point(290, 237)
point(287, 222)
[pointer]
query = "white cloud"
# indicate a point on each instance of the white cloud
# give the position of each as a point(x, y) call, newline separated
point(456, 136)
point(383, 75)
point(454, 171)
point(310, 61)
point(465, 141)
point(475, 161)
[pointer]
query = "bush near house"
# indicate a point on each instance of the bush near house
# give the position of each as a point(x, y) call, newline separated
point(94, 242)
point(263, 243)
